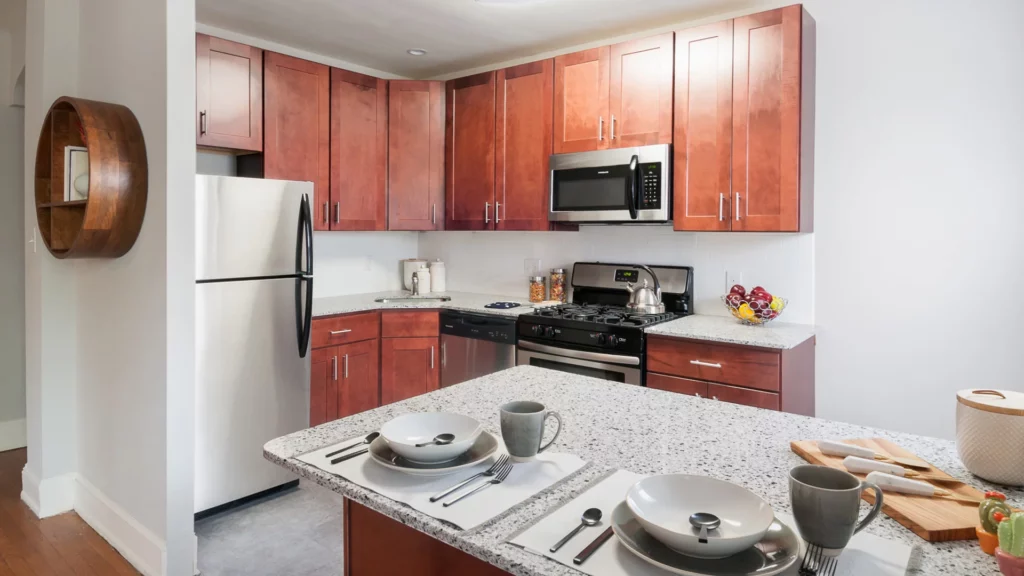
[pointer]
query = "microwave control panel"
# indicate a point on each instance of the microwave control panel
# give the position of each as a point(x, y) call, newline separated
point(650, 186)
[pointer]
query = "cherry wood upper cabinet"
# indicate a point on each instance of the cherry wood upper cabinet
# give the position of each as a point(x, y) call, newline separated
point(409, 367)
point(415, 155)
point(702, 145)
point(358, 383)
point(523, 143)
point(768, 96)
point(640, 98)
point(229, 94)
point(581, 101)
point(297, 104)
point(359, 148)
point(469, 153)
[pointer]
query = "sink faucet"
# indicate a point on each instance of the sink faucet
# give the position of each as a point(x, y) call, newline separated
point(415, 283)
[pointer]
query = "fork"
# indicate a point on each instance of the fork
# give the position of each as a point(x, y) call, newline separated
point(489, 472)
point(499, 477)
point(816, 563)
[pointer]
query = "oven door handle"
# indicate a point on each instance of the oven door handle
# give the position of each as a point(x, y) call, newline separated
point(634, 180)
point(593, 356)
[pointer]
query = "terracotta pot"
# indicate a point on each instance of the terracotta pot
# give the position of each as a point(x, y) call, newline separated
point(1009, 565)
point(988, 542)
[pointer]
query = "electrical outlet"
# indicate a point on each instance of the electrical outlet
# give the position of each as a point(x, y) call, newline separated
point(732, 279)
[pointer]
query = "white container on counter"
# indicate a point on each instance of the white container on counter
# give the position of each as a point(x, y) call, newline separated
point(990, 434)
point(424, 275)
point(437, 276)
point(410, 265)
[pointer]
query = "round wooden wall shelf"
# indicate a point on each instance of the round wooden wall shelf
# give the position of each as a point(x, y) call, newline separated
point(107, 221)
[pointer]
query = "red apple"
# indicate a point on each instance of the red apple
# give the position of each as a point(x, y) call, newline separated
point(734, 300)
point(737, 289)
point(761, 292)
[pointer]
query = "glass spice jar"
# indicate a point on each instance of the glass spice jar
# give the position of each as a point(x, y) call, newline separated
point(558, 284)
point(537, 289)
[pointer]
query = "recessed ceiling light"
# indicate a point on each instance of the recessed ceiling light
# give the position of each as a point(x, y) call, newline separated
point(416, 52)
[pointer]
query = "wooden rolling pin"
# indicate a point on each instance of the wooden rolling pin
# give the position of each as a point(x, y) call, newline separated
point(843, 449)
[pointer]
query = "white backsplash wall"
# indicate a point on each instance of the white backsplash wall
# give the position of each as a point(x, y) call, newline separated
point(492, 262)
point(355, 262)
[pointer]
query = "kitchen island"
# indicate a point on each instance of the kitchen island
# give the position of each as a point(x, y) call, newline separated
point(616, 426)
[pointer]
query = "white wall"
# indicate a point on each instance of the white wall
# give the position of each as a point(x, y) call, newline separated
point(354, 262)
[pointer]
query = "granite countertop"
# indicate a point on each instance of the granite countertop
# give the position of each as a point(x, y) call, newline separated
point(459, 301)
point(639, 429)
point(729, 330)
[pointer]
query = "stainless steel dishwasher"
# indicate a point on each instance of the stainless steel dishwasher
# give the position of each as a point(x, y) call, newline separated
point(474, 345)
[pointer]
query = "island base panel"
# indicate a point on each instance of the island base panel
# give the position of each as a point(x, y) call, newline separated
point(376, 545)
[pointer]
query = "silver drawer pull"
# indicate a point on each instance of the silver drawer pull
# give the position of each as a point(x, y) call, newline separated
point(336, 332)
point(707, 364)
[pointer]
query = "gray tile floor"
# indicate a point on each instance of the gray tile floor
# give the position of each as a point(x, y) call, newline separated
point(297, 533)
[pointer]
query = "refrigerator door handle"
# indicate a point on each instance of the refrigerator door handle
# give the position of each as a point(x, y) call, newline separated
point(304, 247)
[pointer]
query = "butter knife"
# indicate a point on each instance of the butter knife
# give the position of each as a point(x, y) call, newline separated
point(592, 547)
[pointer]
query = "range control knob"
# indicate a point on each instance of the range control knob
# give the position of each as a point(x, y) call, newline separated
point(602, 339)
point(535, 330)
point(613, 340)
point(549, 331)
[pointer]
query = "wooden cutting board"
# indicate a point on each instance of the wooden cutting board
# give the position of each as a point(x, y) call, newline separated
point(934, 519)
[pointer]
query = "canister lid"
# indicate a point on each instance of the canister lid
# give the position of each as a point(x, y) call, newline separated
point(558, 270)
point(998, 401)
point(536, 279)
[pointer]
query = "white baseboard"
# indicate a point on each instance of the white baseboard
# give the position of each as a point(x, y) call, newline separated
point(48, 497)
point(12, 435)
point(143, 549)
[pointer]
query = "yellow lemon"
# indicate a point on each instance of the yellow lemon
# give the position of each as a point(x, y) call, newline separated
point(777, 303)
point(745, 311)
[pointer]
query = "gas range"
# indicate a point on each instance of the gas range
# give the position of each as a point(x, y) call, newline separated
point(596, 335)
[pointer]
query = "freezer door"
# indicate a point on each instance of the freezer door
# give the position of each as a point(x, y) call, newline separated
point(247, 227)
point(251, 385)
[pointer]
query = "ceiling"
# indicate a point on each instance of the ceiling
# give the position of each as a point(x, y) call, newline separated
point(457, 34)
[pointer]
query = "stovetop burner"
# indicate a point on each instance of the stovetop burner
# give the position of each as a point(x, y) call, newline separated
point(612, 315)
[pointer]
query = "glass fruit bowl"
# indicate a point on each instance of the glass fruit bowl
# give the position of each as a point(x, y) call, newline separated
point(754, 312)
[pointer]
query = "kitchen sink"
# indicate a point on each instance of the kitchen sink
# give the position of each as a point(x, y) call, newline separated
point(389, 300)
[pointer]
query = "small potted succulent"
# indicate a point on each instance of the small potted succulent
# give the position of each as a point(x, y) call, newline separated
point(992, 509)
point(1010, 554)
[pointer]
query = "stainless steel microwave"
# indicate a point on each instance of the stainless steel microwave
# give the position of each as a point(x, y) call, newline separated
point(621, 185)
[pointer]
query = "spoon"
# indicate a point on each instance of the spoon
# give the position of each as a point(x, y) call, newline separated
point(440, 440)
point(704, 521)
point(590, 518)
point(369, 438)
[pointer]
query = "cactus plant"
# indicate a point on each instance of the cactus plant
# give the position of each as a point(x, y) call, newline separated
point(1011, 535)
point(994, 502)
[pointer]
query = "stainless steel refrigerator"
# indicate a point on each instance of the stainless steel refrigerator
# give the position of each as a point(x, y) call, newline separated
point(254, 289)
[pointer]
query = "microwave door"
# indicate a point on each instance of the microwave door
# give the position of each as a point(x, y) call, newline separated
point(591, 194)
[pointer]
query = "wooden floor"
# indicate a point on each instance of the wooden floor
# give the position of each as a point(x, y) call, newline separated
point(58, 545)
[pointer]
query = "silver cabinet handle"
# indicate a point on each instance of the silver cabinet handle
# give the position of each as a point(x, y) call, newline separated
point(336, 332)
point(697, 394)
point(337, 212)
point(334, 367)
point(346, 365)
point(708, 364)
point(326, 210)
point(600, 127)
point(613, 126)
point(721, 204)
point(487, 212)
point(431, 357)
point(444, 355)
point(202, 123)
point(497, 212)
point(714, 397)
point(433, 213)
point(737, 205)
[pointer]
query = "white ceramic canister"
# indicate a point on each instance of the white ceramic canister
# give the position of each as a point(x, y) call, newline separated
point(990, 434)
point(437, 276)
point(424, 275)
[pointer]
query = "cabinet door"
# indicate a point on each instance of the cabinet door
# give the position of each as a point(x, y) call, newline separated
point(409, 367)
point(581, 101)
point(702, 146)
point(640, 97)
point(415, 155)
point(754, 398)
point(469, 153)
point(323, 386)
point(358, 383)
point(766, 121)
point(298, 127)
point(229, 94)
point(677, 385)
point(359, 148)
point(523, 146)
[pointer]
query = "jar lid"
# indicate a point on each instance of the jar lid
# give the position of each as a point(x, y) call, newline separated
point(558, 270)
point(536, 278)
point(998, 401)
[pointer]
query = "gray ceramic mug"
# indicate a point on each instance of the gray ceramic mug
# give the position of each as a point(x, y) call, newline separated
point(522, 429)
point(826, 503)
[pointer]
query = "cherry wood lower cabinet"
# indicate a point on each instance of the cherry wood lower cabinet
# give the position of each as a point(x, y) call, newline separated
point(376, 545)
point(408, 367)
point(344, 381)
point(760, 377)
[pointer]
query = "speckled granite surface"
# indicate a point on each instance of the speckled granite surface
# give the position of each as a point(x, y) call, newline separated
point(639, 429)
point(459, 301)
point(728, 329)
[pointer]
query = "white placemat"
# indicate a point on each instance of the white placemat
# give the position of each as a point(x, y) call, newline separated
point(525, 480)
point(866, 554)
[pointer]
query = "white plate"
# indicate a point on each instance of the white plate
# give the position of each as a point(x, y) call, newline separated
point(406, 431)
point(485, 447)
point(774, 554)
point(663, 506)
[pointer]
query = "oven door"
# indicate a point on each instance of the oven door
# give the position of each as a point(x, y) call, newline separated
point(618, 185)
point(593, 364)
